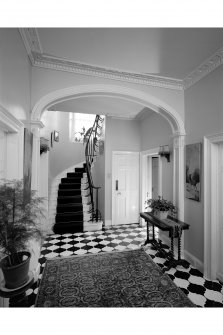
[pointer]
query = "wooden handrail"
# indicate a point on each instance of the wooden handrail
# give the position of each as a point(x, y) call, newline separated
point(90, 149)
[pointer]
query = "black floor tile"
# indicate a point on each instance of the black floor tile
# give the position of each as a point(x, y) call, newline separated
point(198, 289)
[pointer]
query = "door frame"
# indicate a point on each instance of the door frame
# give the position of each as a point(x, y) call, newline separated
point(211, 208)
point(113, 179)
point(14, 144)
point(146, 174)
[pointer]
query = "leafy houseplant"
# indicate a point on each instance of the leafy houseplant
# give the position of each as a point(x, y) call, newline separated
point(161, 207)
point(19, 217)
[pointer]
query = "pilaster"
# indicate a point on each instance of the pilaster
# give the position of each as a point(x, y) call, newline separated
point(178, 171)
point(35, 129)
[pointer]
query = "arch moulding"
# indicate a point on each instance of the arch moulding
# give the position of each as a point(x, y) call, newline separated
point(137, 96)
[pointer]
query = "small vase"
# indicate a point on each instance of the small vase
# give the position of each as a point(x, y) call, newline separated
point(162, 215)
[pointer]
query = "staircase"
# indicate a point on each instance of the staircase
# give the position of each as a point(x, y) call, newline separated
point(77, 205)
point(70, 217)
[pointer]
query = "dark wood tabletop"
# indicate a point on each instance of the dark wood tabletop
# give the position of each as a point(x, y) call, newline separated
point(149, 216)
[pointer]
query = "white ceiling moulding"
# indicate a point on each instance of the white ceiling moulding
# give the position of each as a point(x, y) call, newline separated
point(39, 59)
point(204, 69)
point(31, 40)
point(45, 61)
point(8, 122)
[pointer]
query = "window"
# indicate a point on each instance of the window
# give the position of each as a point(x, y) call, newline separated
point(78, 125)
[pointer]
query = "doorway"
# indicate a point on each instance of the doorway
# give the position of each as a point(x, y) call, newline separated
point(155, 177)
point(151, 176)
point(125, 187)
point(213, 206)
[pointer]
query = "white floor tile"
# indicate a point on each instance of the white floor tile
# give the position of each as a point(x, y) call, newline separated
point(51, 255)
point(196, 280)
point(197, 299)
point(213, 295)
point(181, 282)
point(94, 250)
point(66, 253)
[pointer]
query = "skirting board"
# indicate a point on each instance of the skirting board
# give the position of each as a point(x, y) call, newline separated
point(93, 226)
point(194, 261)
point(108, 223)
point(220, 276)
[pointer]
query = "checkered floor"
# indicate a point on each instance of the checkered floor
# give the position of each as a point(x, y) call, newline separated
point(201, 292)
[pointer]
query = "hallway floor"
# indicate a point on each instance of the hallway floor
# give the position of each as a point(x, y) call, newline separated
point(201, 292)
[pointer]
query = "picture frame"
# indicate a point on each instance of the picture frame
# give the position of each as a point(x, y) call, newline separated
point(193, 172)
point(56, 136)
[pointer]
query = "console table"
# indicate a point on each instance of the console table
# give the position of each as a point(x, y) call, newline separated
point(174, 227)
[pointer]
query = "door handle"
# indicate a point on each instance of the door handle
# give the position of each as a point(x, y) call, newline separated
point(116, 185)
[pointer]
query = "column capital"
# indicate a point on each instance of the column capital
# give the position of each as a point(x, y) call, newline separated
point(35, 124)
point(178, 140)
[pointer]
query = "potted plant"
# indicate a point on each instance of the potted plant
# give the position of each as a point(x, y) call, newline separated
point(19, 222)
point(161, 207)
point(44, 146)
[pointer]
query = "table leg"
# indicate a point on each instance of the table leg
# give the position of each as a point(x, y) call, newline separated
point(172, 245)
point(179, 247)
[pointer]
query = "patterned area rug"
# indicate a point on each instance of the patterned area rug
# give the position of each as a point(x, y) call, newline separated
point(115, 279)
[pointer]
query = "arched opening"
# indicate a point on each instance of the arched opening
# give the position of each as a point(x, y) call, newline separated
point(145, 100)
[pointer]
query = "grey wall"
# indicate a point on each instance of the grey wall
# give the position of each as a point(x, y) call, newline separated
point(121, 135)
point(156, 131)
point(15, 74)
point(203, 116)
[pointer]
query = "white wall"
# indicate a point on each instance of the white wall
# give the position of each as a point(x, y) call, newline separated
point(203, 116)
point(64, 153)
point(45, 81)
point(156, 131)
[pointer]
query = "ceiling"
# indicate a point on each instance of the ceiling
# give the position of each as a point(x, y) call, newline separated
point(166, 52)
point(114, 107)
point(173, 58)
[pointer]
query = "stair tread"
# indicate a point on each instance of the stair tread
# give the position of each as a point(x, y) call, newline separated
point(69, 213)
point(71, 204)
point(69, 197)
point(70, 222)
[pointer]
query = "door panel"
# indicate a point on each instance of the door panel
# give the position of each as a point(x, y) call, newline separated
point(126, 195)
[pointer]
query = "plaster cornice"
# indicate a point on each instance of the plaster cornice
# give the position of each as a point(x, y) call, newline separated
point(204, 69)
point(39, 59)
point(45, 61)
point(8, 122)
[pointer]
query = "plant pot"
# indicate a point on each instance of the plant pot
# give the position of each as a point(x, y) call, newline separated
point(162, 215)
point(16, 275)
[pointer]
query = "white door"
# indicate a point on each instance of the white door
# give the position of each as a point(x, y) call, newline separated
point(125, 188)
point(2, 154)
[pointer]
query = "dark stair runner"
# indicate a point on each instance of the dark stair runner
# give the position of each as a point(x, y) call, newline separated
point(69, 217)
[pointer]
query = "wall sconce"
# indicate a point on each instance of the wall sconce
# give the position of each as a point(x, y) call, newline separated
point(164, 151)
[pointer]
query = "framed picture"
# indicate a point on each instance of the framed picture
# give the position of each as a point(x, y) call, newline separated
point(56, 136)
point(193, 171)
